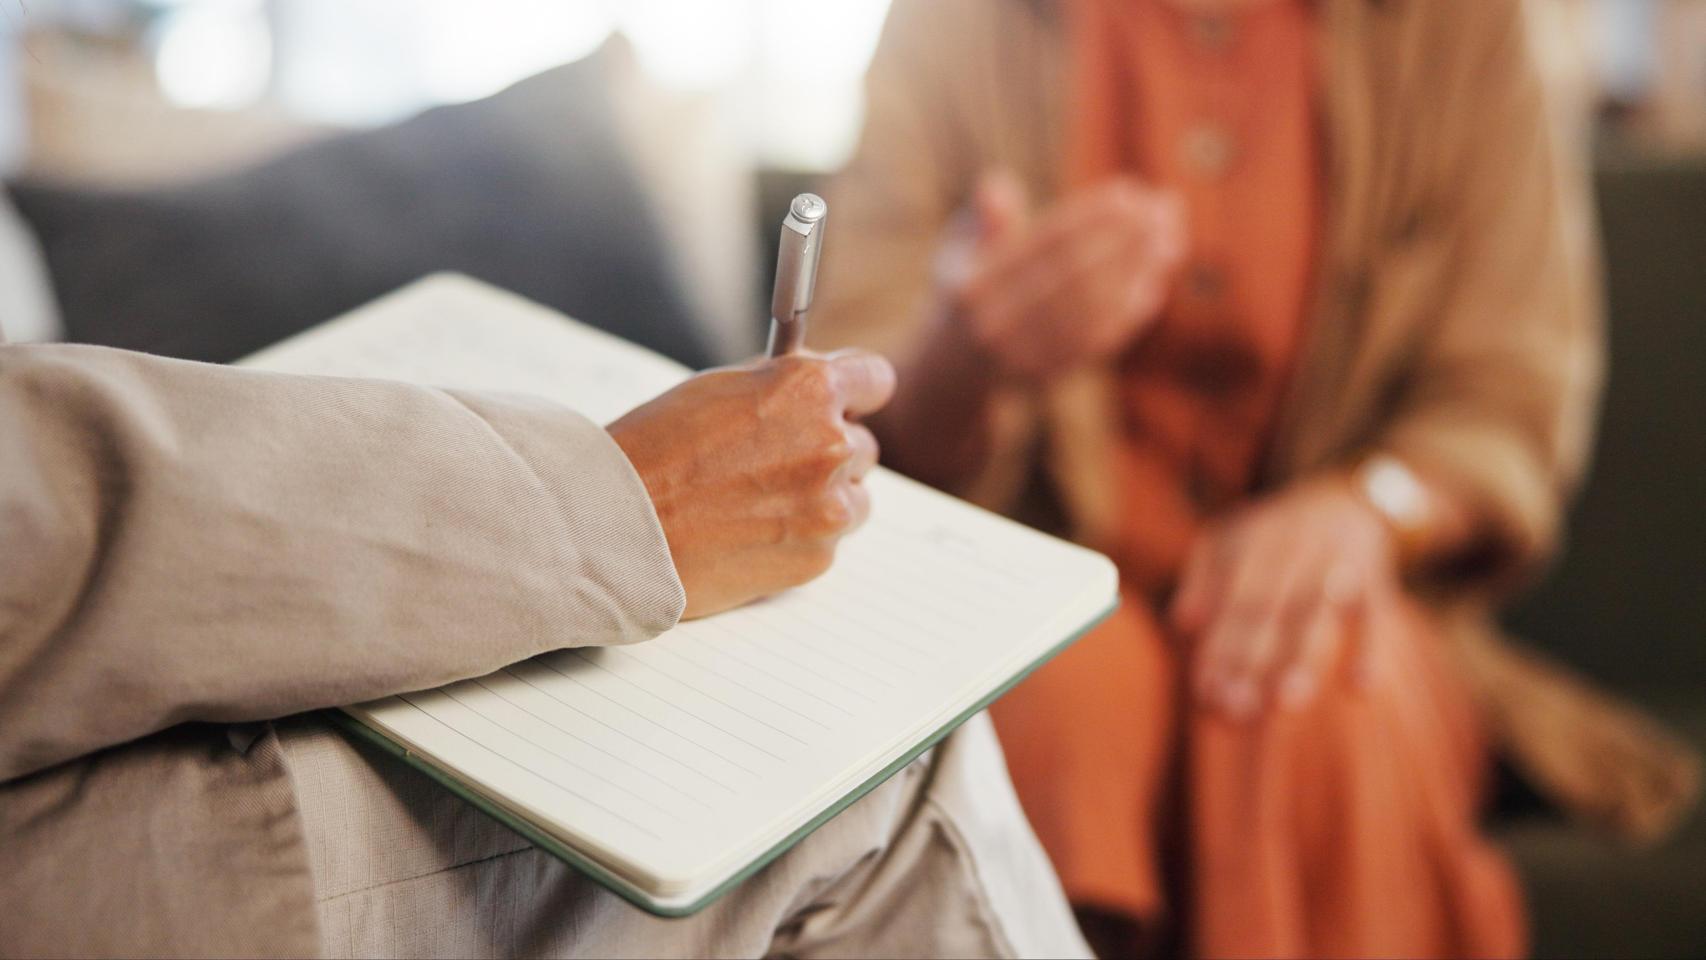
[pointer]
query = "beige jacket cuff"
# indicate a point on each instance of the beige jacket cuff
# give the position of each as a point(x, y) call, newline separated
point(625, 587)
point(1515, 495)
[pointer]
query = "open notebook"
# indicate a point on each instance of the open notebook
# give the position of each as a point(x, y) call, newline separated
point(672, 769)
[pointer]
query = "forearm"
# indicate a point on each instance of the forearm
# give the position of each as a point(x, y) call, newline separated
point(1495, 410)
point(937, 428)
point(187, 542)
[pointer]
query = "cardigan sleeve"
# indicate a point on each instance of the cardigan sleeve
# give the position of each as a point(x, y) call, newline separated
point(1499, 400)
point(908, 174)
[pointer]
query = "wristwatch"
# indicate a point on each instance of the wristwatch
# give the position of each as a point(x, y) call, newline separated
point(1393, 491)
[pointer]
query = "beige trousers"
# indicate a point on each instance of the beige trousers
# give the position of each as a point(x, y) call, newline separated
point(937, 862)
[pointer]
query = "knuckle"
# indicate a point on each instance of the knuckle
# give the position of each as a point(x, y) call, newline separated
point(798, 386)
point(805, 377)
point(832, 513)
point(793, 364)
point(828, 449)
point(835, 448)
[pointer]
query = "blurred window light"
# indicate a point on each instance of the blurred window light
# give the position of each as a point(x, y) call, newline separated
point(782, 76)
point(214, 54)
point(344, 61)
point(794, 67)
point(812, 66)
point(831, 40)
point(691, 44)
point(471, 50)
point(13, 121)
point(372, 61)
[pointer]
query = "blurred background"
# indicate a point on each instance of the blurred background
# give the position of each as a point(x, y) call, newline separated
point(203, 177)
point(704, 98)
point(724, 108)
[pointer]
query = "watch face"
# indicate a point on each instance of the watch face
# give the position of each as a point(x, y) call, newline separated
point(1394, 491)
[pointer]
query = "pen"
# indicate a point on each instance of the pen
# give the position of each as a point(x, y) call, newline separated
point(796, 272)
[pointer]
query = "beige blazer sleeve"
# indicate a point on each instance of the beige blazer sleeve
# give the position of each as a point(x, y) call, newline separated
point(185, 542)
point(1500, 396)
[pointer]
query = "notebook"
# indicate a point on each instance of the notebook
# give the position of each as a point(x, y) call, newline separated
point(672, 769)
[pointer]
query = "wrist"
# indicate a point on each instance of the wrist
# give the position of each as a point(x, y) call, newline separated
point(1396, 496)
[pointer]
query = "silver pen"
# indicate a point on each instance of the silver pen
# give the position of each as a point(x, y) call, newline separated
point(796, 272)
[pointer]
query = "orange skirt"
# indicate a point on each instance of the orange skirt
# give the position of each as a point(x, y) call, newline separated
point(1344, 829)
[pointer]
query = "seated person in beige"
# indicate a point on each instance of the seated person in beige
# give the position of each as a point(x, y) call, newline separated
point(190, 552)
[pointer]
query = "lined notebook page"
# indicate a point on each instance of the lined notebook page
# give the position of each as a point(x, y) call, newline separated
point(677, 761)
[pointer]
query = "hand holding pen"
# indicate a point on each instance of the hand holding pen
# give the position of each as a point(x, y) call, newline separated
point(756, 471)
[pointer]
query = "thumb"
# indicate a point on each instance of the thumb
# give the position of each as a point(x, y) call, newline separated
point(863, 380)
point(1001, 206)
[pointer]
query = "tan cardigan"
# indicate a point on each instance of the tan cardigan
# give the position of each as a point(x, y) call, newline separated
point(184, 547)
point(1455, 323)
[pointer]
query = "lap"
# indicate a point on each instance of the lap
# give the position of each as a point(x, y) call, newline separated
point(1090, 737)
point(938, 860)
point(1307, 829)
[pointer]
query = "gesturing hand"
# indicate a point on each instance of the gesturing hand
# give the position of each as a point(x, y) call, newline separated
point(1271, 595)
point(1075, 284)
point(755, 471)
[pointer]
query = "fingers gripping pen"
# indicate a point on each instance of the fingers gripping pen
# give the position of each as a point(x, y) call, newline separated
point(796, 272)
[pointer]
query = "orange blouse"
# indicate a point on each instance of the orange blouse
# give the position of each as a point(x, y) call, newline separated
point(1220, 109)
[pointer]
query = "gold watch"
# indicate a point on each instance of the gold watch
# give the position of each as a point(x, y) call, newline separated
point(1393, 491)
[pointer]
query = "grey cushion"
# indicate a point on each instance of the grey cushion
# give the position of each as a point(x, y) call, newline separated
point(529, 189)
point(1626, 602)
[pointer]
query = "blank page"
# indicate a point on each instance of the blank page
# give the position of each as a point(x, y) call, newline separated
point(678, 761)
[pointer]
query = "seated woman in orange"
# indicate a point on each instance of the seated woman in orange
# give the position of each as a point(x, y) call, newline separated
point(1286, 305)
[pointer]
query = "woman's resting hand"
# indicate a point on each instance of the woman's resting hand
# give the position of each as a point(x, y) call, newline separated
point(755, 471)
point(1271, 596)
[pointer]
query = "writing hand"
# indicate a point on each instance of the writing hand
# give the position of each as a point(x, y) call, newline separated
point(755, 470)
